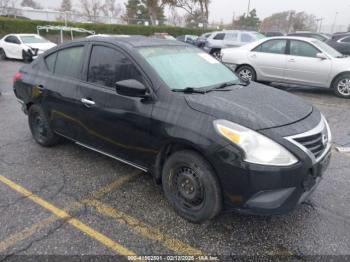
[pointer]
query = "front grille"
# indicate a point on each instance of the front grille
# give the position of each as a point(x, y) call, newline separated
point(315, 143)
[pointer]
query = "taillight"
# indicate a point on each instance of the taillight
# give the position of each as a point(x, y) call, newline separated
point(17, 76)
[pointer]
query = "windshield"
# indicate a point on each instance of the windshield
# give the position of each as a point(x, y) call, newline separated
point(182, 67)
point(33, 39)
point(328, 49)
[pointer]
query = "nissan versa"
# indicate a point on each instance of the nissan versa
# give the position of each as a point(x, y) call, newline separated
point(174, 111)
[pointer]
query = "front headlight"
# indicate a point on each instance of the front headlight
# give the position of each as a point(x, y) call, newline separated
point(258, 149)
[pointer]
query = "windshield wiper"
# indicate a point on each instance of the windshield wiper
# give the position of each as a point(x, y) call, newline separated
point(190, 90)
point(221, 87)
point(341, 56)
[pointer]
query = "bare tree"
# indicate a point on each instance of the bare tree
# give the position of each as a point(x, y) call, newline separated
point(66, 6)
point(111, 8)
point(175, 18)
point(91, 9)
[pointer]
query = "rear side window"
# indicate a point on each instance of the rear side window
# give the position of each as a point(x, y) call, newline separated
point(231, 37)
point(299, 48)
point(219, 36)
point(246, 38)
point(50, 61)
point(69, 61)
point(12, 39)
point(108, 66)
point(273, 47)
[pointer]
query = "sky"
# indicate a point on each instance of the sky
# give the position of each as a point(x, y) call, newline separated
point(224, 9)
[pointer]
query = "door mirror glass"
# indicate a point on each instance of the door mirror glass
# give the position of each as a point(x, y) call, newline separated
point(322, 56)
point(131, 87)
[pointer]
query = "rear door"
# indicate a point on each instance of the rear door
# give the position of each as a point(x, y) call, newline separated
point(269, 59)
point(115, 124)
point(58, 87)
point(304, 67)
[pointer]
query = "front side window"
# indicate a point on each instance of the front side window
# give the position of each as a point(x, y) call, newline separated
point(108, 66)
point(299, 48)
point(246, 38)
point(219, 36)
point(69, 61)
point(272, 47)
point(181, 67)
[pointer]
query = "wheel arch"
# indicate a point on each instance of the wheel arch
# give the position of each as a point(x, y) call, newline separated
point(338, 75)
point(170, 148)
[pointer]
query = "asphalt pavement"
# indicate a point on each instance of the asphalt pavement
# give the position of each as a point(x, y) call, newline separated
point(67, 200)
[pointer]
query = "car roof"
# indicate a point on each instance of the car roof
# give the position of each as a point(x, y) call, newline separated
point(132, 41)
point(306, 39)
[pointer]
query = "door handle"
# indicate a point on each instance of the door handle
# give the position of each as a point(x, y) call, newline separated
point(253, 56)
point(87, 102)
point(291, 60)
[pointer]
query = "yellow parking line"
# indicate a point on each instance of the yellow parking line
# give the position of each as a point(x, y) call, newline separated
point(143, 229)
point(29, 231)
point(25, 233)
point(73, 221)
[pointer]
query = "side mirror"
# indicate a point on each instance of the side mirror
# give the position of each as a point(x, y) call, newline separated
point(131, 87)
point(322, 56)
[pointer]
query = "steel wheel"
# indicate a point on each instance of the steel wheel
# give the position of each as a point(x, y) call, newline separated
point(187, 188)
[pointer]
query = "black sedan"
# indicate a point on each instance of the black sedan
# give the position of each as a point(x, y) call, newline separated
point(172, 110)
point(341, 42)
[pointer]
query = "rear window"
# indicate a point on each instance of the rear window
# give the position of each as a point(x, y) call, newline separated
point(69, 61)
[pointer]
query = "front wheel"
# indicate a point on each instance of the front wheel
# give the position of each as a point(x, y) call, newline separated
point(27, 57)
point(40, 128)
point(191, 186)
point(341, 86)
point(246, 73)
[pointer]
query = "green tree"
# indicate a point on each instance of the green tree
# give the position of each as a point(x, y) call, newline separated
point(31, 3)
point(250, 22)
point(138, 11)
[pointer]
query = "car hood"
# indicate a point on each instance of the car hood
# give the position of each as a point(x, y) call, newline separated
point(255, 106)
point(41, 46)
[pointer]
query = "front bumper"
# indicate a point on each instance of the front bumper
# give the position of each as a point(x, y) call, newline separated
point(264, 190)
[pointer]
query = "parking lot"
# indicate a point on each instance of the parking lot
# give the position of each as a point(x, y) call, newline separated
point(67, 200)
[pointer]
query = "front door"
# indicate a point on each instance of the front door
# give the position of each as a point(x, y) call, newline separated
point(304, 67)
point(115, 124)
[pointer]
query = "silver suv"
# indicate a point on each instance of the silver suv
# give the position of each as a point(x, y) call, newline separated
point(230, 38)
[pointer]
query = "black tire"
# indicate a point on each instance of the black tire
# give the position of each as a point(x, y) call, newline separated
point(2, 54)
point(216, 53)
point(246, 73)
point(40, 128)
point(341, 86)
point(191, 186)
point(27, 57)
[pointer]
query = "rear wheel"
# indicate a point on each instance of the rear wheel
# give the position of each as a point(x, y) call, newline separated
point(246, 73)
point(216, 53)
point(40, 128)
point(2, 54)
point(341, 86)
point(191, 186)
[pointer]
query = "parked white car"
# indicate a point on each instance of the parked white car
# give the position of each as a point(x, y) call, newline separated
point(292, 60)
point(23, 46)
point(229, 38)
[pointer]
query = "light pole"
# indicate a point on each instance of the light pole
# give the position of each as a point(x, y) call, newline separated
point(335, 21)
point(248, 8)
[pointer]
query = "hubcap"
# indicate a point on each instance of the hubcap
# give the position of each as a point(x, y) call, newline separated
point(246, 74)
point(188, 188)
point(344, 87)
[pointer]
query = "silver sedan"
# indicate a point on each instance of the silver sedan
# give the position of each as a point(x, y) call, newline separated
point(291, 60)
